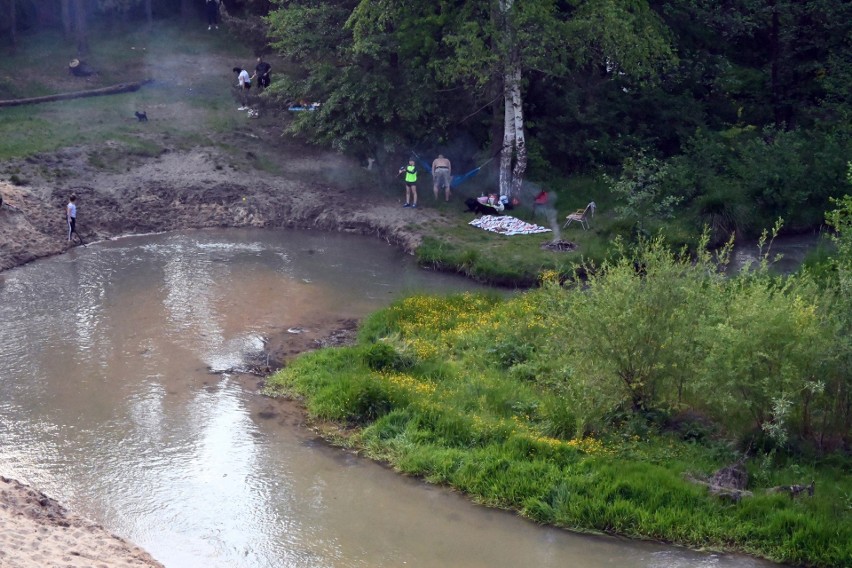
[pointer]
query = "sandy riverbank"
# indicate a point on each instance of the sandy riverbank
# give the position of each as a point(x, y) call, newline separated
point(37, 532)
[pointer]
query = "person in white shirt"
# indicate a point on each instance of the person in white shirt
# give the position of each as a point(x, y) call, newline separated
point(244, 84)
point(71, 217)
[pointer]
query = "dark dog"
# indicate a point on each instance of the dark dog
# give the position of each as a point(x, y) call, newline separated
point(141, 116)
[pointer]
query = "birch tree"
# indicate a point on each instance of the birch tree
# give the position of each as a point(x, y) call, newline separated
point(501, 40)
point(13, 24)
point(81, 27)
point(514, 142)
point(67, 25)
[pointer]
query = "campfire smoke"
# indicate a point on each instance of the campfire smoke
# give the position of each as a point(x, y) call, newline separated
point(544, 203)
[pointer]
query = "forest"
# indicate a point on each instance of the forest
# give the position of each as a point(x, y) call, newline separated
point(728, 114)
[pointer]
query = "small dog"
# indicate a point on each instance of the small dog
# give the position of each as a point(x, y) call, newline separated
point(141, 116)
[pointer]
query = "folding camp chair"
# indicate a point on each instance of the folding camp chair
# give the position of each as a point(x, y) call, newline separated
point(581, 216)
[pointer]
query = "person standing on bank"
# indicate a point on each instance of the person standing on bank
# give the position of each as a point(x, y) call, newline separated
point(442, 174)
point(244, 84)
point(261, 71)
point(410, 183)
point(212, 14)
point(71, 218)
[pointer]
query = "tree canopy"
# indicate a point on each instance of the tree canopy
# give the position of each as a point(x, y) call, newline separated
point(738, 111)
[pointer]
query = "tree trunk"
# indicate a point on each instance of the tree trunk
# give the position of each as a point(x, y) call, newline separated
point(775, 62)
point(13, 24)
point(80, 27)
point(513, 157)
point(67, 26)
point(186, 9)
point(518, 126)
point(508, 140)
point(113, 90)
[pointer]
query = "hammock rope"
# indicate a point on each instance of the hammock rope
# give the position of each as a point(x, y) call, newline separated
point(457, 179)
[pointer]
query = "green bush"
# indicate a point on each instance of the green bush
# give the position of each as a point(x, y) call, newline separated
point(382, 356)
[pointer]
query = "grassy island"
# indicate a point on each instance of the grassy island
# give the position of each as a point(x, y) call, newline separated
point(597, 407)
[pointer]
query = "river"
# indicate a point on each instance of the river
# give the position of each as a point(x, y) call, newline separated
point(113, 400)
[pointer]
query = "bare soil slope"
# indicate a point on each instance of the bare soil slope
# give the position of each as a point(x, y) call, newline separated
point(180, 190)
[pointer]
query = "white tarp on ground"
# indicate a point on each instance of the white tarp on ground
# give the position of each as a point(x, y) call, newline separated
point(507, 225)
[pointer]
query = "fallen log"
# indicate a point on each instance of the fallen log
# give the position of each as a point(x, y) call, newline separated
point(731, 494)
point(113, 90)
point(794, 490)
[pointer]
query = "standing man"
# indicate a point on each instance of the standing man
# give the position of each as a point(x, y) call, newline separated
point(71, 217)
point(261, 71)
point(212, 14)
point(244, 84)
point(442, 173)
point(410, 183)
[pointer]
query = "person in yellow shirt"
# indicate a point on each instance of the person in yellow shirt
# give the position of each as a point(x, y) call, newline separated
point(410, 172)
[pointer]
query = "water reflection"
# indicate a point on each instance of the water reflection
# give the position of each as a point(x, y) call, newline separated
point(785, 254)
point(107, 402)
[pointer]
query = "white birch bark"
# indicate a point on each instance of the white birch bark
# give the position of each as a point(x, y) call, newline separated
point(507, 151)
point(518, 128)
point(513, 157)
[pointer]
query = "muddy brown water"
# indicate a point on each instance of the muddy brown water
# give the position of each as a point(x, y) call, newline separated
point(108, 403)
point(784, 254)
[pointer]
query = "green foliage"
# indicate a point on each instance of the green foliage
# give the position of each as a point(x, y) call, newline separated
point(739, 181)
point(513, 442)
point(369, 76)
point(642, 191)
point(734, 133)
point(382, 356)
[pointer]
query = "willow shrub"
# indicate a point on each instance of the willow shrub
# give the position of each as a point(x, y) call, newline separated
point(656, 330)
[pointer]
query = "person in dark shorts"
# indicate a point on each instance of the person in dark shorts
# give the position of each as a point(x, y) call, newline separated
point(212, 14)
point(262, 72)
point(410, 172)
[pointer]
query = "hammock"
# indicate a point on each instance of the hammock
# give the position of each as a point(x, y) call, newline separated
point(457, 179)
